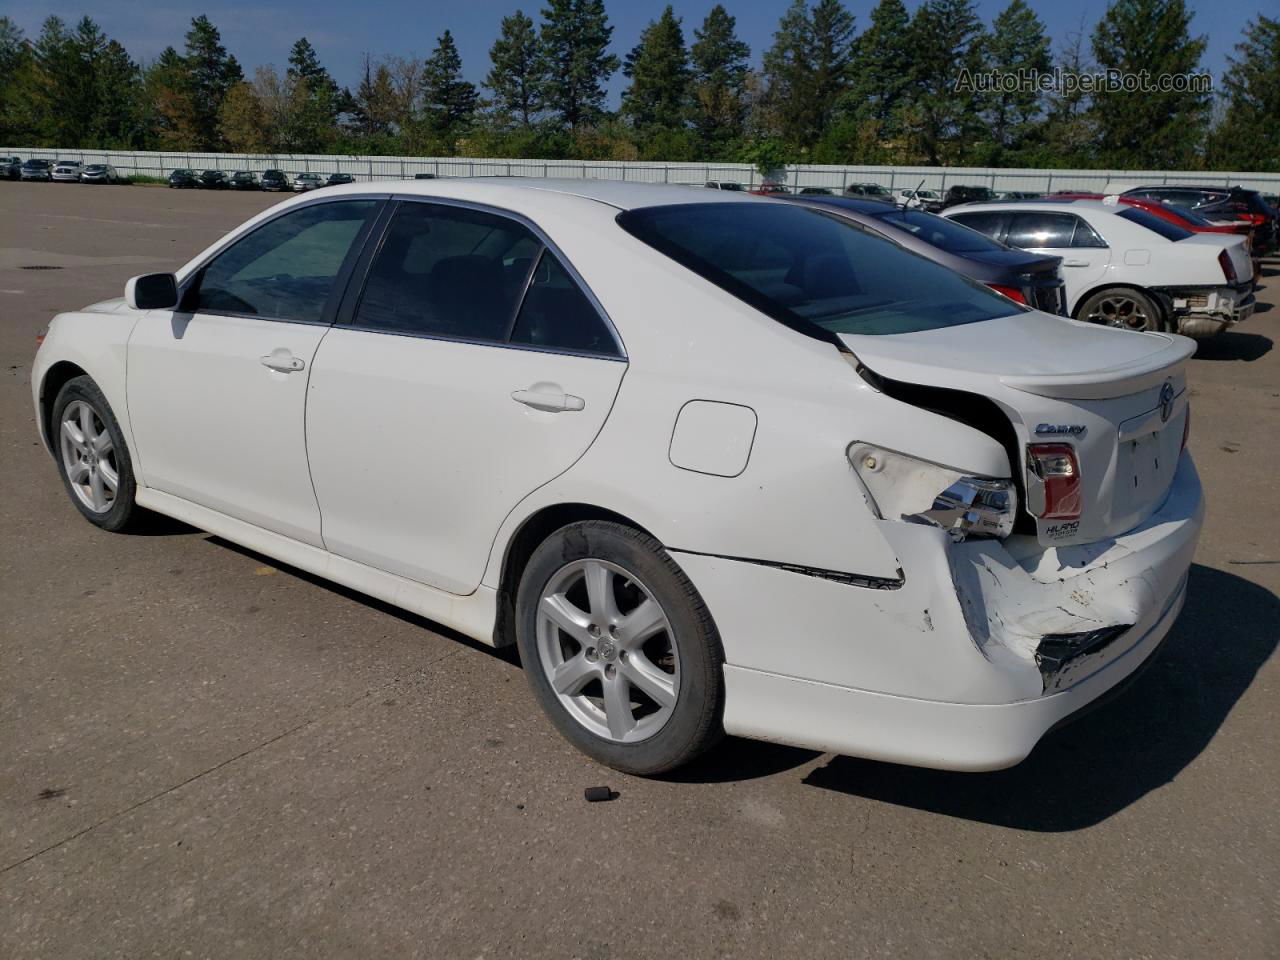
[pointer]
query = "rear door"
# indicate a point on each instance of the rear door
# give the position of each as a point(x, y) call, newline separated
point(1084, 254)
point(470, 368)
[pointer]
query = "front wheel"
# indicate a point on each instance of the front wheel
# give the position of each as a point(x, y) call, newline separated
point(619, 649)
point(1123, 308)
point(92, 457)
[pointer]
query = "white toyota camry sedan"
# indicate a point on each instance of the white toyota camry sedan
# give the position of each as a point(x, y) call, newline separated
point(716, 463)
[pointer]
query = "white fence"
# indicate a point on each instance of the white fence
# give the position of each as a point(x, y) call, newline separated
point(159, 164)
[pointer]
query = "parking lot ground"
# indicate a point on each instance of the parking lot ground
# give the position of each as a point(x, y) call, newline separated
point(203, 754)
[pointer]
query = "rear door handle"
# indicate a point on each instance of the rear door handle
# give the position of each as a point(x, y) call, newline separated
point(549, 402)
point(282, 361)
point(1075, 263)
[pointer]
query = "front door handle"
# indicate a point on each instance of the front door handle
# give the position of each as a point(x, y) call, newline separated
point(1075, 263)
point(282, 361)
point(549, 402)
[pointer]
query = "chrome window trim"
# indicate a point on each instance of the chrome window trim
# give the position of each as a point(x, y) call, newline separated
point(547, 244)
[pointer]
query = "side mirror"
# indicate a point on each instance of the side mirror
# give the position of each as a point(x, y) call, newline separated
point(153, 291)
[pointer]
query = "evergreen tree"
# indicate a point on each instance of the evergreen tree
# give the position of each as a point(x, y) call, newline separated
point(947, 37)
point(830, 55)
point(658, 67)
point(807, 68)
point(515, 78)
point(449, 102)
point(1067, 132)
point(212, 72)
point(1249, 137)
point(1017, 42)
point(167, 93)
point(1145, 129)
point(13, 47)
point(880, 71)
point(719, 65)
point(314, 99)
point(786, 74)
point(116, 120)
point(15, 64)
point(575, 60)
point(374, 104)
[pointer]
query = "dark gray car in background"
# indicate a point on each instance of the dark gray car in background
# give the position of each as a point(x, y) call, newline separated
point(1030, 278)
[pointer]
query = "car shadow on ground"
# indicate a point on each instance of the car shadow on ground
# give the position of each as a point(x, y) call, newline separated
point(1234, 345)
point(1091, 769)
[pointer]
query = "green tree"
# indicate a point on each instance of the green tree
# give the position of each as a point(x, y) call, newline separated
point(807, 69)
point(1017, 42)
point(719, 65)
point(212, 72)
point(1067, 134)
point(448, 101)
point(313, 102)
point(116, 122)
point(15, 77)
point(515, 78)
point(576, 62)
point(374, 103)
point(242, 121)
point(947, 38)
point(1249, 137)
point(880, 71)
point(1146, 128)
point(658, 67)
point(170, 114)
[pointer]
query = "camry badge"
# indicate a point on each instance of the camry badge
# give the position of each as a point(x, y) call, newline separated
point(1060, 429)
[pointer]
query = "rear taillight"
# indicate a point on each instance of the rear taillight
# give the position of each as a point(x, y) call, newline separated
point(1013, 293)
point(1054, 490)
point(1228, 268)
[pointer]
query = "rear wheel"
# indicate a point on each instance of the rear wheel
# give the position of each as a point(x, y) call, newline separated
point(619, 649)
point(1123, 308)
point(92, 456)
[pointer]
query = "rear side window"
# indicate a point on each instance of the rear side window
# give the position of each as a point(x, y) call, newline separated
point(813, 271)
point(556, 314)
point(1041, 229)
point(1170, 231)
point(1086, 236)
point(284, 269)
point(987, 222)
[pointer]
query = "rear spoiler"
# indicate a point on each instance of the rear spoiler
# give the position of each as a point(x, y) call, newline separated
point(1119, 381)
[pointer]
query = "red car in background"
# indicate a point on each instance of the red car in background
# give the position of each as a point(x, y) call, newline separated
point(1187, 219)
point(768, 189)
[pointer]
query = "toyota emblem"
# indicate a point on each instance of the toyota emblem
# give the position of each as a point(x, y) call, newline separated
point(1166, 402)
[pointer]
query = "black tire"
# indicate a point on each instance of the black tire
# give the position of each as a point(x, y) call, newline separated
point(694, 723)
point(123, 509)
point(1124, 308)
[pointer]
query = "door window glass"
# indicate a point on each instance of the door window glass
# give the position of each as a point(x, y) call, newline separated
point(987, 222)
point(1049, 230)
point(284, 269)
point(449, 272)
point(1086, 236)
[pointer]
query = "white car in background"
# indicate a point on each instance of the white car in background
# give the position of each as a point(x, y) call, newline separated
point(923, 198)
point(1126, 267)
point(713, 462)
point(67, 171)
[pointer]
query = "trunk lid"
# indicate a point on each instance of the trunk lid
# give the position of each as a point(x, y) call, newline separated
point(1118, 398)
point(1236, 249)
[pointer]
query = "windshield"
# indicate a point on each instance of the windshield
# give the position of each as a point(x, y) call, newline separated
point(939, 232)
point(36, 163)
point(1170, 231)
point(813, 271)
point(94, 168)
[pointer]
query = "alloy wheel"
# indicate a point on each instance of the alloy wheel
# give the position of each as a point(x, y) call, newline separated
point(607, 650)
point(89, 457)
point(1120, 311)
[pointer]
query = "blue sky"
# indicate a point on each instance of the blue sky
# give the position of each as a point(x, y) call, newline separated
point(342, 31)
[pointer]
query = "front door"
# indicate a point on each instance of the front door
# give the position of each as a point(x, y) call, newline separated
point(473, 370)
point(217, 389)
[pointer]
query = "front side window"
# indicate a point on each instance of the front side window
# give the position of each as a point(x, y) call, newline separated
point(284, 269)
point(1041, 230)
point(813, 271)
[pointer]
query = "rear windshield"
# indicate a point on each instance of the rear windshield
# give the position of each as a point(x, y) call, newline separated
point(939, 232)
point(1170, 231)
point(812, 271)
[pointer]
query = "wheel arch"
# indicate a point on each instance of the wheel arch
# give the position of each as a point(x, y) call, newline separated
point(55, 378)
point(1159, 300)
point(533, 530)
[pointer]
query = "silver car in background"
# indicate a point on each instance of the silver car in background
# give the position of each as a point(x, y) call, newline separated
point(99, 173)
point(67, 171)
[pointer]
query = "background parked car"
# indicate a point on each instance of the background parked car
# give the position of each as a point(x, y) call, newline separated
point(10, 168)
point(245, 180)
point(923, 198)
point(723, 185)
point(183, 179)
point(816, 191)
point(67, 171)
point(275, 180)
point(338, 179)
point(307, 181)
point(873, 190)
point(1227, 203)
point(214, 180)
point(960, 193)
point(1028, 278)
point(424, 176)
point(36, 169)
point(99, 173)
point(770, 188)
point(1125, 267)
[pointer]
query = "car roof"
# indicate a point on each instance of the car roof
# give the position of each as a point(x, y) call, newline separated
point(624, 195)
point(1047, 203)
point(856, 204)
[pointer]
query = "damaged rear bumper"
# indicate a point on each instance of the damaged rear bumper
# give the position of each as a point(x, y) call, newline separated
point(984, 648)
point(1207, 311)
